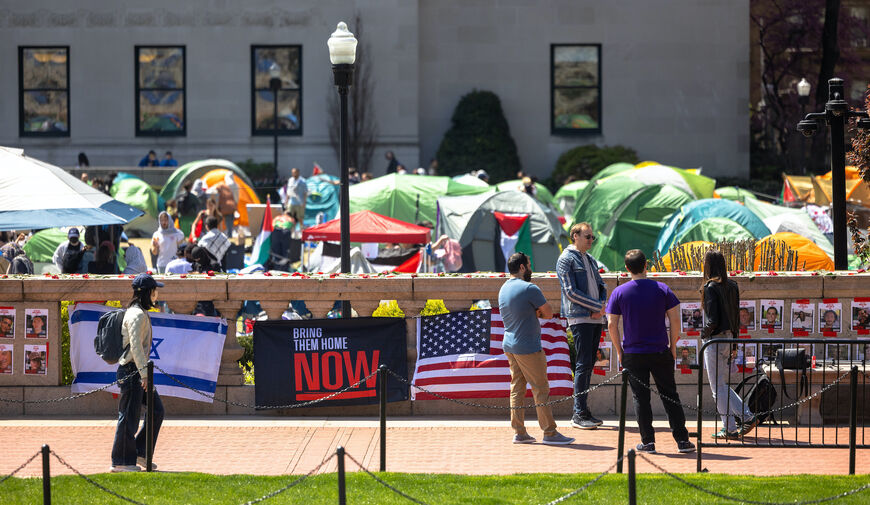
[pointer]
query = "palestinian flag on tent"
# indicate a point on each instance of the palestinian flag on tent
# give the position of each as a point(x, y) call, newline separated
point(263, 243)
point(514, 236)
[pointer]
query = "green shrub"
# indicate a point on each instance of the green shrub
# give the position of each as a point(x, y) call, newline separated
point(583, 162)
point(257, 170)
point(479, 139)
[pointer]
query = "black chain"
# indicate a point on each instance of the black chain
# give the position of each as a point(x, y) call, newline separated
point(267, 407)
point(583, 488)
point(753, 502)
point(21, 467)
point(381, 482)
point(94, 483)
point(73, 397)
point(502, 407)
point(295, 482)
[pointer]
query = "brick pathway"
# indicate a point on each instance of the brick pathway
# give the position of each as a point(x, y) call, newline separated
point(270, 447)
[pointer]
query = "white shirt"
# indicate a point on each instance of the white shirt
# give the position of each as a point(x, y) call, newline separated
point(168, 244)
point(179, 266)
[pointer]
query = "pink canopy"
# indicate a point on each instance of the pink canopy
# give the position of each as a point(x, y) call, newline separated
point(367, 226)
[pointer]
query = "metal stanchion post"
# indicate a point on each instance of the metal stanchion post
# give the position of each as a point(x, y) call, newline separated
point(853, 417)
point(382, 393)
point(342, 498)
point(46, 476)
point(149, 418)
point(621, 442)
point(632, 481)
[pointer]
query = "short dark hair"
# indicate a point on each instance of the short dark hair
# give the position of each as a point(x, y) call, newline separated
point(211, 223)
point(142, 298)
point(516, 261)
point(168, 152)
point(635, 261)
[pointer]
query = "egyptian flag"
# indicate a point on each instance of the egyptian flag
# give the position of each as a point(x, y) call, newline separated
point(263, 243)
point(515, 236)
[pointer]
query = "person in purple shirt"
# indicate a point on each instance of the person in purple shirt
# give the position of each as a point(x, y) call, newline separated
point(645, 348)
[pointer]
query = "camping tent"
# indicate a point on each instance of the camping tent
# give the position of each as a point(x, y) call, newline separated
point(710, 220)
point(686, 249)
point(323, 197)
point(409, 198)
point(137, 193)
point(784, 219)
point(472, 221)
point(246, 193)
point(470, 180)
point(650, 172)
point(34, 194)
point(626, 213)
point(541, 192)
point(196, 169)
point(41, 246)
point(566, 197)
point(810, 256)
point(367, 226)
point(733, 193)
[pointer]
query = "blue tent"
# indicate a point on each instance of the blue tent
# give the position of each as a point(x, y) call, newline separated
point(323, 196)
point(710, 220)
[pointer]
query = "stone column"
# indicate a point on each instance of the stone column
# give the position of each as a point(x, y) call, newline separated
point(230, 374)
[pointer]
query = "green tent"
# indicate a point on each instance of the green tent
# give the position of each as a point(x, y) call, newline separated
point(566, 197)
point(41, 246)
point(710, 220)
point(196, 169)
point(409, 198)
point(543, 194)
point(137, 193)
point(734, 193)
point(626, 214)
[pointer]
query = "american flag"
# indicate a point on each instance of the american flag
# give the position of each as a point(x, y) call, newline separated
point(459, 355)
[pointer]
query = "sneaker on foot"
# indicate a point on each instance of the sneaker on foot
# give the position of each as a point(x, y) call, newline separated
point(584, 423)
point(141, 462)
point(649, 448)
point(557, 439)
point(748, 425)
point(726, 435)
point(524, 439)
point(685, 446)
point(124, 468)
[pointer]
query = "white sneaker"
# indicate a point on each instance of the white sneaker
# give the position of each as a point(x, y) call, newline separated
point(141, 462)
point(124, 468)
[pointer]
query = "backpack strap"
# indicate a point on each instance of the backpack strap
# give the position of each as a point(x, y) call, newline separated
point(782, 378)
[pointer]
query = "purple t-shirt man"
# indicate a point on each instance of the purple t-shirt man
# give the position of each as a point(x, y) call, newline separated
point(643, 305)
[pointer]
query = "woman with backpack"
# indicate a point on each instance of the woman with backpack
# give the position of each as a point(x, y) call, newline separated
point(128, 450)
point(721, 298)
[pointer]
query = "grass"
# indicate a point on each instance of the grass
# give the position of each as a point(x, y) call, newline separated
point(190, 488)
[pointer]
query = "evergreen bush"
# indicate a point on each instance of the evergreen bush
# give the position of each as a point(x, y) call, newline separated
point(583, 162)
point(479, 139)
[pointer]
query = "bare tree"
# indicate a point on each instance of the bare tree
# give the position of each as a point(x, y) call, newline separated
point(362, 126)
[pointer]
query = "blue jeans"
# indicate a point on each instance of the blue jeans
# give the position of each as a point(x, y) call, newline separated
point(729, 404)
point(129, 445)
point(586, 339)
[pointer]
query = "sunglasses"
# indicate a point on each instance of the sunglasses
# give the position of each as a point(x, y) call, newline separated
point(590, 237)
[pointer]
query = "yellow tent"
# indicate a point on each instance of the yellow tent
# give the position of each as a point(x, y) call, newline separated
point(686, 249)
point(809, 254)
point(246, 193)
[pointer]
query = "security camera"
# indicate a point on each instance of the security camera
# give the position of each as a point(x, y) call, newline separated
point(808, 128)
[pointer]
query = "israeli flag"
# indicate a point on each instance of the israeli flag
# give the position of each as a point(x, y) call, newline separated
point(186, 347)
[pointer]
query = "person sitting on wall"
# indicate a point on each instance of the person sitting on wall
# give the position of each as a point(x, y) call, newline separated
point(150, 160)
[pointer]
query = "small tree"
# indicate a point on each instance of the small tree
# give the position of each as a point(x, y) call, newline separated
point(479, 139)
point(860, 157)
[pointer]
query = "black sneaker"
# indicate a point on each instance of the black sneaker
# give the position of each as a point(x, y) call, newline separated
point(649, 448)
point(595, 420)
point(584, 423)
point(685, 446)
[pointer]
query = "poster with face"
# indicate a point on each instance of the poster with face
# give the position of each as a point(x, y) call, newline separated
point(6, 358)
point(771, 314)
point(691, 316)
point(802, 316)
point(602, 358)
point(768, 351)
point(836, 352)
point(747, 355)
point(829, 317)
point(687, 353)
point(35, 323)
point(35, 359)
point(7, 322)
point(746, 315)
point(860, 315)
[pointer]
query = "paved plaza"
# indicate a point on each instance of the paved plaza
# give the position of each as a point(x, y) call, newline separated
point(263, 446)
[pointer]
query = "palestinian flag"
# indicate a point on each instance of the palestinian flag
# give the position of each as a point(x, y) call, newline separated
point(515, 236)
point(263, 243)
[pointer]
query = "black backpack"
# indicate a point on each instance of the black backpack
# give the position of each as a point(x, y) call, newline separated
point(109, 343)
point(759, 396)
point(72, 259)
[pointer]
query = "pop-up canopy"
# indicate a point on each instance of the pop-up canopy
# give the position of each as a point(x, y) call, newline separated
point(367, 226)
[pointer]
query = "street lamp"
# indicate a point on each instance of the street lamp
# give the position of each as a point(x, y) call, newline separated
point(342, 54)
point(275, 86)
point(835, 116)
point(803, 91)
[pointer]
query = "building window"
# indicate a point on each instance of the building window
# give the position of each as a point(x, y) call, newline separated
point(289, 61)
point(161, 106)
point(575, 88)
point(43, 87)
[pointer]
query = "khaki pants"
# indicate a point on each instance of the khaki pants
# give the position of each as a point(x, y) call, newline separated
point(531, 369)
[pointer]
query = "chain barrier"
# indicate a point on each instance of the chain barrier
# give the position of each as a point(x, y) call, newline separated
point(502, 407)
point(94, 483)
point(752, 502)
point(21, 467)
point(581, 489)
point(381, 482)
point(716, 412)
point(267, 407)
point(295, 482)
point(75, 396)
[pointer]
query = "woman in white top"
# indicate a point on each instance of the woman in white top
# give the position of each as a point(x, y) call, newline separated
point(165, 241)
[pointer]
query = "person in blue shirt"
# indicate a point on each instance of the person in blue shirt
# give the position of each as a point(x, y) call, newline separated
point(168, 160)
point(150, 160)
point(521, 303)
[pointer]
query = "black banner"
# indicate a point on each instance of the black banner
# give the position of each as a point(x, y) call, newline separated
point(299, 361)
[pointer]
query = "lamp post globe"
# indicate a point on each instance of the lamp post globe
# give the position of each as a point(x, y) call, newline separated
point(342, 55)
point(275, 86)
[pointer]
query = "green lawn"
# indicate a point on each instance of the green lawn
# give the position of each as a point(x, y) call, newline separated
point(190, 488)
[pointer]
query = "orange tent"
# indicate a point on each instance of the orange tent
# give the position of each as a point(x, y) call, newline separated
point(809, 253)
point(686, 248)
point(246, 193)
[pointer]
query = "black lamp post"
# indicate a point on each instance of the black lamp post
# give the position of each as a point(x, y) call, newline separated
point(275, 86)
point(342, 54)
point(836, 114)
point(803, 91)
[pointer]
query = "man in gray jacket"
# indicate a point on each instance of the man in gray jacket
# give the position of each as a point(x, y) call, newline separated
point(583, 297)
